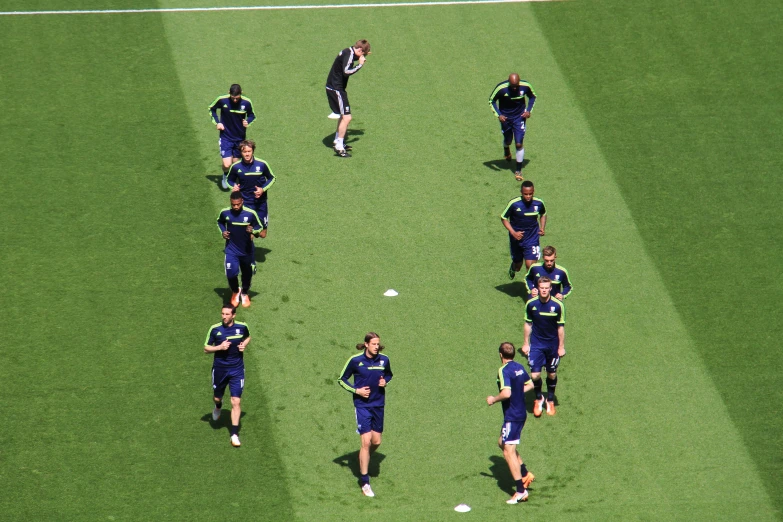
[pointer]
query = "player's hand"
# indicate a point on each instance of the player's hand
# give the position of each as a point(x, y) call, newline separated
point(382, 382)
point(235, 188)
point(534, 293)
point(245, 123)
point(364, 392)
point(225, 345)
point(226, 234)
point(541, 232)
point(362, 59)
point(518, 235)
point(559, 297)
point(249, 229)
point(490, 400)
point(262, 234)
point(243, 345)
point(259, 192)
point(561, 351)
point(525, 349)
point(221, 127)
point(525, 115)
point(502, 118)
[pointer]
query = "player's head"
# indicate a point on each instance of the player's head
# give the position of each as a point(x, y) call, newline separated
point(513, 82)
point(527, 189)
point(550, 254)
point(372, 344)
point(544, 286)
point(235, 92)
point(361, 48)
point(227, 313)
point(247, 148)
point(507, 351)
point(236, 200)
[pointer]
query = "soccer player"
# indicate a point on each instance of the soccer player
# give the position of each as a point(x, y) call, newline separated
point(228, 340)
point(525, 220)
point(252, 178)
point(336, 83)
point(512, 102)
point(231, 113)
point(371, 372)
point(513, 382)
point(238, 225)
point(561, 283)
point(544, 343)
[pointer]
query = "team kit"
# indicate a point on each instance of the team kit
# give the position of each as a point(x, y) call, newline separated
point(367, 373)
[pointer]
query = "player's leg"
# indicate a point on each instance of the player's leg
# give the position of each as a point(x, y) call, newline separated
point(364, 429)
point(262, 209)
point(519, 140)
point(248, 268)
point(219, 383)
point(532, 254)
point(342, 124)
point(236, 385)
point(376, 427)
point(553, 361)
point(517, 257)
point(509, 440)
point(231, 265)
point(537, 360)
point(508, 135)
point(226, 158)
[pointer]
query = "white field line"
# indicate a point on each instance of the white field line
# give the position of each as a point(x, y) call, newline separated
point(260, 7)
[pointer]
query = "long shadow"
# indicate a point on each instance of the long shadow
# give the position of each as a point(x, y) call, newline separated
point(350, 137)
point(225, 418)
point(514, 289)
point(351, 461)
point(216, 180)
point(261, 253)
point(225, 294)
point(499, 471)
point(499, 165)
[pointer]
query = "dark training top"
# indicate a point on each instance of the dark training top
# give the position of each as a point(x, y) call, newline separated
point(250, 176)
point(239, 242)
point(236, 333)
point(561, 284)
point(513, 376)
point(545, 317)
point(342, 69)
point(504, 101)
point(367, 371)
point(231, 114)
point(524, 216)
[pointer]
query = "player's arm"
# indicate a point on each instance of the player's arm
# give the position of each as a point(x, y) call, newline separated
point(209, 343)
point(493, 103)
point(250, 116)
point(243, 344)
point(233, 176)
point(527, 330)
point(528, 386)
point(566, 284)
point(542, 224)
point(506, 223)
point(561, 340)
point(346, 374)
point(505, 390)
point(387, 374)
point(347, 65)
point(223, 226)
point(530, 94)
point(270, 178)
point(530, 280)
point(213, 110)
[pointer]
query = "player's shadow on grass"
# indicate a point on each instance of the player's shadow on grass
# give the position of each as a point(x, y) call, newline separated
point(514, 288)
point(217, 181)
point(499, 471)
point(350, 137)
point(499, 165)
point(351, 461)
point(224, 421)
point(225, 294)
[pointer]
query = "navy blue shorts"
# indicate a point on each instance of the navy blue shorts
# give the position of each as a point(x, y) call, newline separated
point(234, 378)
point(511, 432)
point(543, 357)
point(261, 208)
point(520, 252)
point(234, 263)
point(369, 419)
point(513, 127)
point(229, 148)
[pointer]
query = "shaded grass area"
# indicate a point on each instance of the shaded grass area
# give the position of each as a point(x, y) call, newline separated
point(104, 237)
point(683, 101)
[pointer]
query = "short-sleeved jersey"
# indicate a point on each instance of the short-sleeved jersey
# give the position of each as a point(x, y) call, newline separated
point(231, 115)
point(251, 176)
point(524, 216)
point(366, 371)
point(513, 376)
point(504, 101)
point(342, 69)
point(561, 284)
point(546, 317)
point(235, 334)
point(239, 242)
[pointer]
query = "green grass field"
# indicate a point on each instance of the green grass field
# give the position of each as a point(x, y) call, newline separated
point(654, 143)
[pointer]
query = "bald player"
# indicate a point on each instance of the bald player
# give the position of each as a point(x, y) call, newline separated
point(512, 102)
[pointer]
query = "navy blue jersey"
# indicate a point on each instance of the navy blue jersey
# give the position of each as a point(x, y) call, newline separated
point(513, 376)
point(367, 371)
point(231, 115)
point(545, 317)
point(250, 176)
point(236, 333)
point(561, 284)
point(342, 69)
point(504, 101)
point(524, 216)
point(240, 242)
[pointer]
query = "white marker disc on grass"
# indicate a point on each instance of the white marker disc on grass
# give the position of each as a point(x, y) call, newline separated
point(390, 293)
point(462, 508)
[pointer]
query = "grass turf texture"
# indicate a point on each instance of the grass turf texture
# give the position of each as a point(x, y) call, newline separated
point(118, 432)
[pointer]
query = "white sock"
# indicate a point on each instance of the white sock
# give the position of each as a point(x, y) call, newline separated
point(338, 144)
point(520, 155)
point(336, 137)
